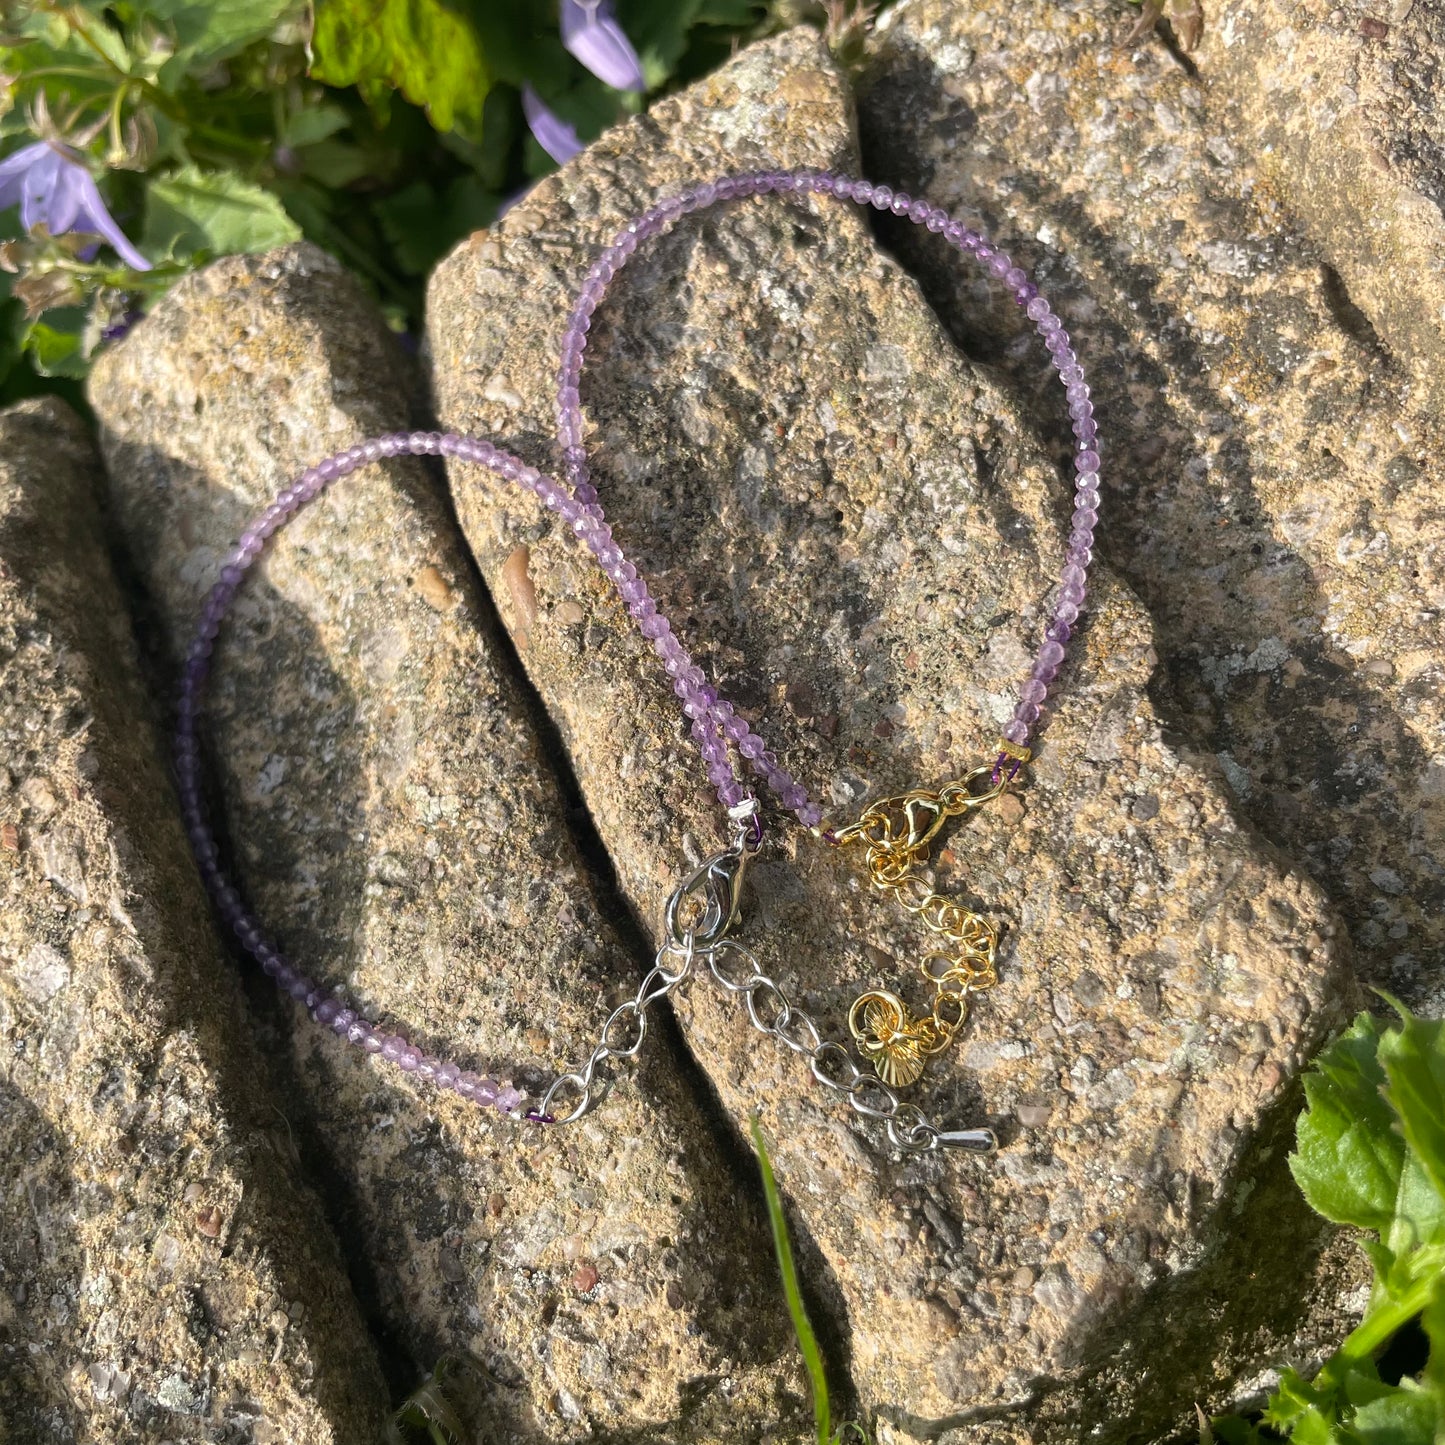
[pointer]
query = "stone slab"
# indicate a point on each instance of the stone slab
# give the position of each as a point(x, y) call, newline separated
point(164, 1274)
point(1341, 104)
point(1272, 490)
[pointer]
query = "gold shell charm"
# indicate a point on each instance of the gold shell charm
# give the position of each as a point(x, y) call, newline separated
point(890, 1038)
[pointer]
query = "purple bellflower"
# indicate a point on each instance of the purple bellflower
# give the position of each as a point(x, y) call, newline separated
point(591, 32)
point(54, 189)
point(553, 133)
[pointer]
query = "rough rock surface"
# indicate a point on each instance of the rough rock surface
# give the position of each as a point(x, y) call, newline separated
point(855, 529)
point(162, 1274)
point(396, 822)
point(1272, 487)
point(1340, 101)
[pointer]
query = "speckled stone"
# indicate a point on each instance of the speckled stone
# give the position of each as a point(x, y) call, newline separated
point(856, 529)
point(1340, 101)
point(1272, 489)
point(399, 826)
point(163, 1274)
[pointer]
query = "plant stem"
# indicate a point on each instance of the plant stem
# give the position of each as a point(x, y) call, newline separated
point(1387, 1317)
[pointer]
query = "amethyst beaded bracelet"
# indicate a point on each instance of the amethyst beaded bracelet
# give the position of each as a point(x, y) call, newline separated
point(715, 722)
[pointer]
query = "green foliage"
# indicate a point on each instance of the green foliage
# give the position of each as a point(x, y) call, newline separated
point(382, 130)
point(197, 213)
point(1371, 1153)
point(429, 1416)
point(1348, 1153)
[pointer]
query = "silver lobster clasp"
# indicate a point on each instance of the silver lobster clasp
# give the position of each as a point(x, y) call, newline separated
point(716, 887)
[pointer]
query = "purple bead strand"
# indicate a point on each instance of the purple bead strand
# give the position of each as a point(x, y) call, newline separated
point(998, 264)
point(327, 1007)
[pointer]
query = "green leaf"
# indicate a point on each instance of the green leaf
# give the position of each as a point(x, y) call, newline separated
point(1234, 1430)
point(522, 44)
point(315, 123)
point(1349, 1156)
point(658, 28)
point(1403, 1414)
point(426, 49)
point(334, 163)
point(1293, 1399)
point(109, 42)
point(1433, 1321)
point(802, 1325)
point(55, 350)
point(1419, 1210)
point(213, 212)
point(1414, 1059)
point(206, 31)
point(422, 226)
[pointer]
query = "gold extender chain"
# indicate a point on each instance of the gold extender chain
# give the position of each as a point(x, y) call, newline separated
point(898, 833)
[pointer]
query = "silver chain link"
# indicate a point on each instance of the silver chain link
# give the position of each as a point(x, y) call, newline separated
point(716, 888)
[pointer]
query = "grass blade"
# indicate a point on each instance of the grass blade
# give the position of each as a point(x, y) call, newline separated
point(802, 1325)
